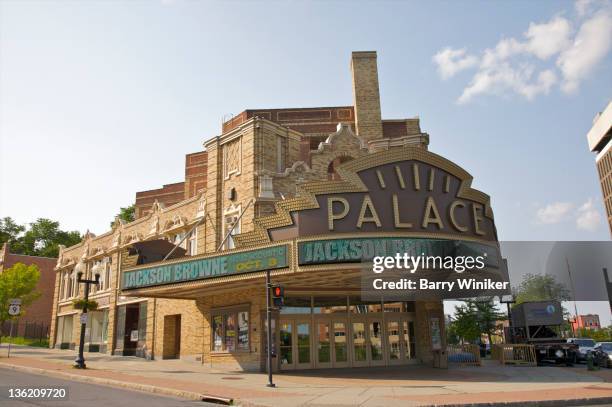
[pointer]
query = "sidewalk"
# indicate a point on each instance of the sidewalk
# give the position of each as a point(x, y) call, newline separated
point(369, 387)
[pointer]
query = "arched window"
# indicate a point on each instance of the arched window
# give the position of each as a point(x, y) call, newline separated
point(331, 168)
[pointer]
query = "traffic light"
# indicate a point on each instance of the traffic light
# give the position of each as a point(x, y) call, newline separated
point(277, 296)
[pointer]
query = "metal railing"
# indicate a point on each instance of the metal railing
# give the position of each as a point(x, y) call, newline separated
point(514, 354)
point(466, 355)
point(27, 330)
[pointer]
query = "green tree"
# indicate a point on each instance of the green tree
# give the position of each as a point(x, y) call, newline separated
point(44, 237)
point(18, 281)
point(477, 317)
point(10, 232)
point(536, 287)
point(465, 324)
point(127, 214)
point(488, 316)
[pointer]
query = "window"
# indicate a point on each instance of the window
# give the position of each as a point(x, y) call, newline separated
point(232, 224)
point(230, 330)
point(107, 273)
point(177, 239)
point(192, 246)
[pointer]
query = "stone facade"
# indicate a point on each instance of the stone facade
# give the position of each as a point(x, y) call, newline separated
point(262, 157)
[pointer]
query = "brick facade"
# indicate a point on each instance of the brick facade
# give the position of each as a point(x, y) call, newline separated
point(39, 312)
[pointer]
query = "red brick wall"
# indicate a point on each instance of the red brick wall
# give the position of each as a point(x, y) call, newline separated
point(196, 165)
point(168, 195)
point(305, 120)
point(40, 310)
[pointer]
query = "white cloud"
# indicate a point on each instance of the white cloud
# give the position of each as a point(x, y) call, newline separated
point(547, 39)
point(588, 217)
point(524, 66)
point(451, 61)
point(590, 46)
point(503, 77)
point(555, 212)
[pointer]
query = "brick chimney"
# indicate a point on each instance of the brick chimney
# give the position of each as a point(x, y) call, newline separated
point(366, 96)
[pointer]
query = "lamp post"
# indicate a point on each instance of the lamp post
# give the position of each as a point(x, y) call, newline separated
point(80, 360)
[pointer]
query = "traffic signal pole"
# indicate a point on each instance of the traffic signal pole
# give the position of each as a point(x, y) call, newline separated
point(269, 322)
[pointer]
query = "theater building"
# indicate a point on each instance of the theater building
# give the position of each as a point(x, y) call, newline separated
point(305, 194)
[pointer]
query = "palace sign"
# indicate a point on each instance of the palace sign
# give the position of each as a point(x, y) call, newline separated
point(405, 191)
point(207, 267)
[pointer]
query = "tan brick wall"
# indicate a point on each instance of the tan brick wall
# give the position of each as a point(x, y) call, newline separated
point(366, 95)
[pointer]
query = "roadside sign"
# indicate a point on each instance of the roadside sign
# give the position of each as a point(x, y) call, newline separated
point(14, 309)
point(84, 318)
point(15, 301)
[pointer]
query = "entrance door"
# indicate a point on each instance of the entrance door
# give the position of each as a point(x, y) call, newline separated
point(375, 339)
point(303, 344)
point(286, 344)
point(323, 344)
point(131, 334)
point(340, 335)
point(295, 344)
point(359, 351)
point(395, 342)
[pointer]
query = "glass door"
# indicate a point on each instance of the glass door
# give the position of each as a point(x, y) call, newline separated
point(340, 347)
point(323, 350)
point(286, 345)
point(303, 344)
point(359, 351)
point(395, 345)
point(375, 336)
point(408, 340)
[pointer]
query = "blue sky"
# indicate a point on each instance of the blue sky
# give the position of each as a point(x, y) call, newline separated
point(102, 99)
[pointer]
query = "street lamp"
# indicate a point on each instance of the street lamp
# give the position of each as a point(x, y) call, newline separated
point(80, 360)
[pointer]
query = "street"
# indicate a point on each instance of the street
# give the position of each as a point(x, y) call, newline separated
point(81, 394)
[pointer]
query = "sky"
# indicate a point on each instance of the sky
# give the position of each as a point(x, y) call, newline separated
point(100, 99)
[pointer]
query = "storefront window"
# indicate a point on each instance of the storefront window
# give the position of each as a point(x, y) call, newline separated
point(243, 330)
point(230, 330)
point(218, 333)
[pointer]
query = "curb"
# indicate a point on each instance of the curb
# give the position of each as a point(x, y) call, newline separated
point(541, 403)
point(146, 388)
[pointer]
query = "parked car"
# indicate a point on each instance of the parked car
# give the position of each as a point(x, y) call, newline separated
point(585, 346)
point(602, 354)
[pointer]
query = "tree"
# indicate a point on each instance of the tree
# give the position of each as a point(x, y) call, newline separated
point(475, 318)
point(10, 231)
point(44, 237)
point(127, 214)
point(465, 325)
point(20, 282)
point(536, 287)
point(488, 316)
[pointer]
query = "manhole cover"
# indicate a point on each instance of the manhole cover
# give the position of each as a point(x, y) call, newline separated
point(232, 378)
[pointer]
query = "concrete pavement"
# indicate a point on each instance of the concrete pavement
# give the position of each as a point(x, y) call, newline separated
point(369, 387)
